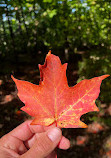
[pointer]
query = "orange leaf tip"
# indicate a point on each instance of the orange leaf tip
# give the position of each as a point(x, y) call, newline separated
point(49, 53)
point(12, 78)
point(105, 76)
point(82, 125)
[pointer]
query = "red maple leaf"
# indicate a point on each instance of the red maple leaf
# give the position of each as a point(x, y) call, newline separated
point(53, 101)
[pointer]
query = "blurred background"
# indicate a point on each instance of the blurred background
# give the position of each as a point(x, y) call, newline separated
point(79, 32)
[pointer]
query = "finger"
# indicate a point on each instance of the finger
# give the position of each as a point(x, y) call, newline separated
point(46, 142)
point(64, 143)
point(26, 131)
point(30, 130)
point(36, 129)
point(39, 128)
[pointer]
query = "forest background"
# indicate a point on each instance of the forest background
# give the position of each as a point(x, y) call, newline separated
point(79, 32)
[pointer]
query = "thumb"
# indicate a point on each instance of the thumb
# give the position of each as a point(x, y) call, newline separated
point(46, 142)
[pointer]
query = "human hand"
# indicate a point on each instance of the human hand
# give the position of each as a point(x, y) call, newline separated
point(32, 141)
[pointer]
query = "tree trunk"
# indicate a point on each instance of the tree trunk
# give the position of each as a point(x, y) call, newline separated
point(35, 34)
point(22, 13)
point(11, 33)
point(18, 18)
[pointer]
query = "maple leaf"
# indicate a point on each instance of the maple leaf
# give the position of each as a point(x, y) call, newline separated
point(53, 101)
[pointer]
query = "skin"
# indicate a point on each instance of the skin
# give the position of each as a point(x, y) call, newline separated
point(32, 141)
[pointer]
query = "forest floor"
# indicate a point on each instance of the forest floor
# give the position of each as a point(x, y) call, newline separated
point(93, 142)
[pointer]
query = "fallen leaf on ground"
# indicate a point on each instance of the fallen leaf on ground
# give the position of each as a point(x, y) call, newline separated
point(81, 140)
point(95, 127)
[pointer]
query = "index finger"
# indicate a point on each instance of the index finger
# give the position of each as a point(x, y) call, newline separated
point(26, 131)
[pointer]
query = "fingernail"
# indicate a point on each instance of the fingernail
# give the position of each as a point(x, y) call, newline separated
point(54, 134)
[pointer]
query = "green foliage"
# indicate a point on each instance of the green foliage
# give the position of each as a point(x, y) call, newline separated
point(95, 63)
point(39, 25)
point(48, 1)
point(73, 23)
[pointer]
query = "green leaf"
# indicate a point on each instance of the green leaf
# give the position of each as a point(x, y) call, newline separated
point(47, 1)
